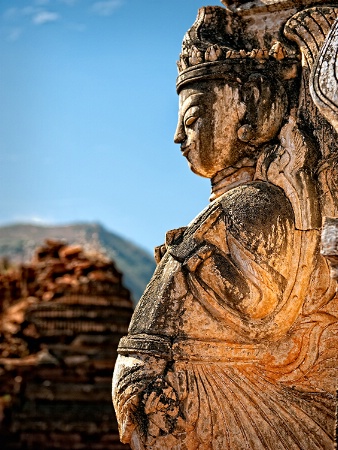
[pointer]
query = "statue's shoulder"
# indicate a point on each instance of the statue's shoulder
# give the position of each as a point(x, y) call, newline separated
point(252, 207)
point(258, 212)
point(251, 212)
point(257, 203)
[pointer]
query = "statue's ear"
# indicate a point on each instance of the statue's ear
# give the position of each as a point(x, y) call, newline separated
point(266, 104)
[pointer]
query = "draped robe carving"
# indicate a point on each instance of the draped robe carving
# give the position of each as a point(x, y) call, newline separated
point(233, 344)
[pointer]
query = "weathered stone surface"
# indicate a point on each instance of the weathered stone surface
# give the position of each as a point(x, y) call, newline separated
point(330, 244)
point(234, 342)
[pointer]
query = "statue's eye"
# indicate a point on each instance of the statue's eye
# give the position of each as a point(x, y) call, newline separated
point(191, 115)
point(190, 120)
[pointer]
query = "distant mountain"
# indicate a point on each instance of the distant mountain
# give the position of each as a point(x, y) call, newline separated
point(18, 242)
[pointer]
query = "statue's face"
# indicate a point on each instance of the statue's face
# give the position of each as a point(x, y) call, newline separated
point(209, 118)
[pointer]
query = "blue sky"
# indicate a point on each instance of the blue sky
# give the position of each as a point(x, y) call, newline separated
point(88, 113)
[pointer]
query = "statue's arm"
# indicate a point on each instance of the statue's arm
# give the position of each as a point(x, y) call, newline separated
point(324, 78)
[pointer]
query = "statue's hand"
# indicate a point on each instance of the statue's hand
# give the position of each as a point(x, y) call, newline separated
point(159, 252)
point(146, 405)
point(133, 375)
point(171, 237)
point(161, 409)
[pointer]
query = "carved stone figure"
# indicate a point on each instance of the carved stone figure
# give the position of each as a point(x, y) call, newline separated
point(234, 342)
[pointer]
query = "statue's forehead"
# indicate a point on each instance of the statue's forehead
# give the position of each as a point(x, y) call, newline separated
point(190, 97)
point(205, 92)
point(202, 88)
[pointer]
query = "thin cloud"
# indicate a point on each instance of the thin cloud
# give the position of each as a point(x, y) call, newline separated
point(34, 219)
point(10, 13)
point(80, 27)
point(69, 2)
point(43, 17)
point(29, 11)
point(14, 34)
point(39, 220)
point(41, 2)
point(106, 7)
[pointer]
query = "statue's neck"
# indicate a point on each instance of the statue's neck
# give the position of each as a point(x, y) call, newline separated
point(231, 177)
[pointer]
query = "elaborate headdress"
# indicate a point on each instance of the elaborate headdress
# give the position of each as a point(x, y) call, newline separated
point(223, 39)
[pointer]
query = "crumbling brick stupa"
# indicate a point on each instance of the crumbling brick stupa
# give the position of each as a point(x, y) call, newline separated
point(61, 318)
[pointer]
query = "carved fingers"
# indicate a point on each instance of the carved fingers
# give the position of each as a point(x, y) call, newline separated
point(171, 237)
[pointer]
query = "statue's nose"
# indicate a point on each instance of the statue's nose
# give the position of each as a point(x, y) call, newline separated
point(180, 135)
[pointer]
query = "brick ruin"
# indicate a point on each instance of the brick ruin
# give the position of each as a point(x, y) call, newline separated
point(61, 319)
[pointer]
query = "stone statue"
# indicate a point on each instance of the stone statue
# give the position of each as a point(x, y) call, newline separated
point(233, 345)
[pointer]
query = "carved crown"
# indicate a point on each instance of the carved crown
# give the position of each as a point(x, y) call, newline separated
point(225, 41)
point(219, 39)
point(217, 35)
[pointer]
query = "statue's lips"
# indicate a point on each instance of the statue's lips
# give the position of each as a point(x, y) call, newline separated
point(185, 150)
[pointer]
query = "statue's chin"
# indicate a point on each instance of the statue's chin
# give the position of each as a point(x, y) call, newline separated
point(199, 172)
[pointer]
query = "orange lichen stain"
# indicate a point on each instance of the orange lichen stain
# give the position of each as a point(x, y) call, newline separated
point(285, 352)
